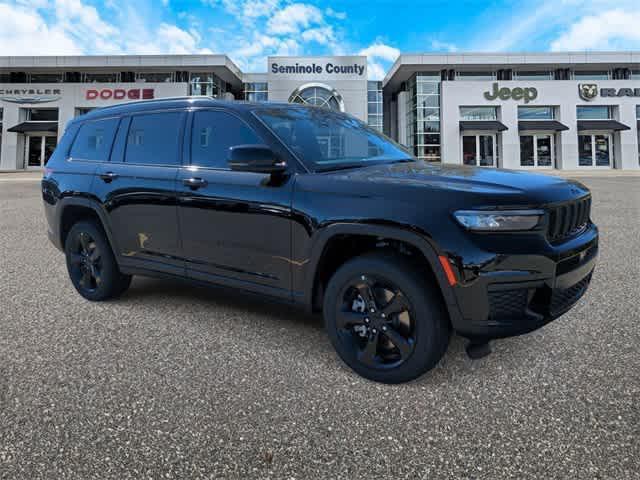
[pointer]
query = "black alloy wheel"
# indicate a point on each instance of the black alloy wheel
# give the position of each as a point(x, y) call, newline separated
point(86, 262)
point(91, 264)
point(385, 317)
point(375, 320)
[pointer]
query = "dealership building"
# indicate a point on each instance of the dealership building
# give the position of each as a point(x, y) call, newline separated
point(531, 110)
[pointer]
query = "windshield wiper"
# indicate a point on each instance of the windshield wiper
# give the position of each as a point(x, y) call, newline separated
point(342, 166)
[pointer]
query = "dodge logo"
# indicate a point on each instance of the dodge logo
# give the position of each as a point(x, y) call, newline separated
point(588, 91)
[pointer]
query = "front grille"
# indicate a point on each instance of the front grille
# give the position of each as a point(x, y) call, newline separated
point(568, 219)
point(507, 304)
point(561, 299)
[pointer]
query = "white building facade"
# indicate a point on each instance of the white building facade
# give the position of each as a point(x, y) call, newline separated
point(520, 111)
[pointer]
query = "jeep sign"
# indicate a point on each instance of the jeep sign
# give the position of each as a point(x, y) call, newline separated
point(517, 93)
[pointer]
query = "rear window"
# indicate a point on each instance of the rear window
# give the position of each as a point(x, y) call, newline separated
point(154, 139)
point(94, 140)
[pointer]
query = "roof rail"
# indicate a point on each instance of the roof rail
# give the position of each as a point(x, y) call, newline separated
point(158, 100)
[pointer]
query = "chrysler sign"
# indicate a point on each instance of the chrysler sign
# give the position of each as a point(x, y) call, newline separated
point(30, 95)
point(120, 94)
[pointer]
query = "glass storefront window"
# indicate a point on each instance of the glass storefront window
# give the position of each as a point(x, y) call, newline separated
point(534, 75)
point(536, 113)
point(155, 77)
point(256, 91)
point(374, 105)
point(544, 150)
point(478, 113)
point(594, 112)
point(46, 77)
point(206, 84)
point(102, 77)
point(537, 150)
point(42, 114)
point(423, 115)
point(591, 75)
point(475, 75)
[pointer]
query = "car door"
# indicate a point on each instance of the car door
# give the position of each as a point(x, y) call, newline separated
point(235, 226)
point(138, 191)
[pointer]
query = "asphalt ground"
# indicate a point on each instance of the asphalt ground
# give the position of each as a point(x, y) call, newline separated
point(174, 381)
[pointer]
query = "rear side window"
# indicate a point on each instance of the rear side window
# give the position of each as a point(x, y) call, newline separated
point(212, 135)
point(94, 140)
point(154, 139)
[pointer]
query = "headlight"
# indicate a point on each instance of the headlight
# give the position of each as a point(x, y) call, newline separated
point(499, 221)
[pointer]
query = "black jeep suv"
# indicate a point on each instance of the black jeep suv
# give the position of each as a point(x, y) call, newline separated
point(314, 208)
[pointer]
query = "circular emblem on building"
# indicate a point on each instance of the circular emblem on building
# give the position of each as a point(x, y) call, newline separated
point(318, 95)
point(588, 91)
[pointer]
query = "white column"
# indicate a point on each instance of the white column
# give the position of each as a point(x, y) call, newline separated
point(568, 151)
point(10, 144)
point(626, 155)
point(510, 154)
point(402, 118)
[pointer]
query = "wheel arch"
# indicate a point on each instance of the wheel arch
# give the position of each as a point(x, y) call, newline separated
point(72, 210)
point(375, 234)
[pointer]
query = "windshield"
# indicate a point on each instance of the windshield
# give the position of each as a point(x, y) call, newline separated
point(327, 140)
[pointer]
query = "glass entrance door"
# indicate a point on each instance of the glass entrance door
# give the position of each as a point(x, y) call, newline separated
point(537, 150)
point(39, 149)
point(480, 149)
point(595, 150)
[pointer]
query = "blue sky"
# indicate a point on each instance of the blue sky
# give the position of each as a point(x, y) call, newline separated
point(249, 31)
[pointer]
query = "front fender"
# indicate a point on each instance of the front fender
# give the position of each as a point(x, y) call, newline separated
point(429, 250)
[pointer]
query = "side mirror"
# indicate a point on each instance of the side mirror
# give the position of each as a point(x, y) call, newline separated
point(256, 159)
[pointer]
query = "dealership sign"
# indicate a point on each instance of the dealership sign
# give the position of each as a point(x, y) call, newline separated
point(30, 95)
point(517, 93)
point(120, 94)
point(589, 91)
point(316, 69)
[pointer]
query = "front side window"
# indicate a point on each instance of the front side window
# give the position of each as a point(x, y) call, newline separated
point(213, 133)
point(94, 140)
point(594, 112)
point(326, 140)
point(154, 139)
point(478, 113)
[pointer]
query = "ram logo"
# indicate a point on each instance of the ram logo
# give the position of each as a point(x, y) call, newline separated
point(588, 91)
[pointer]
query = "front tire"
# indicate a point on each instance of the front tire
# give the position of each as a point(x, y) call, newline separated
point(91, 264)
point(385, 318)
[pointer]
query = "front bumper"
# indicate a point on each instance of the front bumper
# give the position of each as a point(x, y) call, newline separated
point(520, 293)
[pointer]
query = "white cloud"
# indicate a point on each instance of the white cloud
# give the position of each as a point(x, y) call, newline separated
point(293, 18)
point(30, 35)
point(379, 58)
point(321, 35)
point(332, 13)
point(380, 50)
point(612, 29)
point(439, 46)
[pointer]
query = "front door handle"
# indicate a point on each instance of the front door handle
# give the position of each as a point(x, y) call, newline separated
point(108, 177)
point(195, 183)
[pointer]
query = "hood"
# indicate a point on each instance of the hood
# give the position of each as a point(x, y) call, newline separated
point(477, 180)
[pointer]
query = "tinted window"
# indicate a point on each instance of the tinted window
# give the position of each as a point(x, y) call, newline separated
point(329, 140)
point(214, 133)
point(154, 139)
point(94, 140)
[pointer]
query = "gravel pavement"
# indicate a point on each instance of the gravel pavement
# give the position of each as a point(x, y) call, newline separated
point(175, 381)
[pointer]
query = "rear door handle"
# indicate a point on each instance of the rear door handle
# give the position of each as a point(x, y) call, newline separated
point(195, 183)
point(108, 177)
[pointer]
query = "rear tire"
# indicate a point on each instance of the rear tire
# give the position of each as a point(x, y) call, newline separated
point(91, 264)
point(385, 318)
